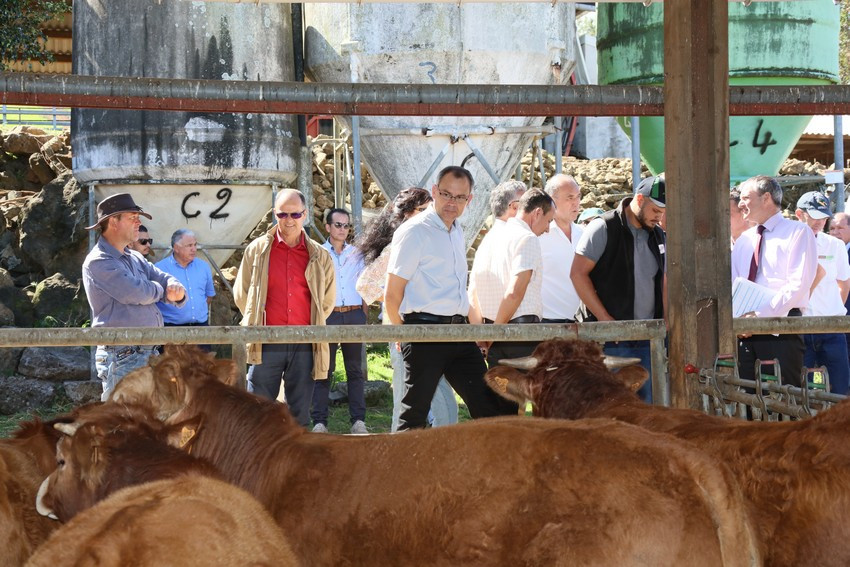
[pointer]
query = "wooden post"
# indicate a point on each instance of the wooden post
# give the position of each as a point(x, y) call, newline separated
point(696, 138)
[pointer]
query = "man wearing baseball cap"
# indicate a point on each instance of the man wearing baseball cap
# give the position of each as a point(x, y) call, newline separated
point(123, 288)
point(829, 295)
point(619, 268)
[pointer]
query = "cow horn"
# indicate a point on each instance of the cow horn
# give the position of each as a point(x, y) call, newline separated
point(39, 504)
point(67, 428)
point(524, 363)
point(615, 362)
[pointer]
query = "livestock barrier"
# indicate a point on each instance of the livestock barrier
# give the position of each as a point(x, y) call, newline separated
point(652, 330)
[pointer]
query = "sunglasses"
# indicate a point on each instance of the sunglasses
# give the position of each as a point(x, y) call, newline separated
point(145, 241)
point(345, 225)
point(294, 216)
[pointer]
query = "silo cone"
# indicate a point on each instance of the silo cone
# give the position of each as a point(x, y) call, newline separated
point(442, 44)
point(770, 43)
point(212, 173)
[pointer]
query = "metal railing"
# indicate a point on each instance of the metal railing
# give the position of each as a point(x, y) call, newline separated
point(52, 118)
point(652, 330)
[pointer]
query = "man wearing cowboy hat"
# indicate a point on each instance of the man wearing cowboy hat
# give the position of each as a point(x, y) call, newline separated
point(123, 288)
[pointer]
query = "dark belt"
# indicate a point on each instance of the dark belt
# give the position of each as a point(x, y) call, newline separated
point(346, 308)
point(518, 320)
point(430, 318)
point(204, 324)
point(557, 321)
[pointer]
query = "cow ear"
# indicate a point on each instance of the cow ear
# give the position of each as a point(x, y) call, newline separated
point(225, 371)
point(632, 377)
point(182, 435)
point(509, 383)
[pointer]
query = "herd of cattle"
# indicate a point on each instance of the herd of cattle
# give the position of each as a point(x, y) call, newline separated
point(182, 468)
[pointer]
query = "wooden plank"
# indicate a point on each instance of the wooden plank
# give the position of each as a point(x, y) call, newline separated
point(696, 111)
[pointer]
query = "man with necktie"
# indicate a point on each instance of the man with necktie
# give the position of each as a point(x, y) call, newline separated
point(780, 255)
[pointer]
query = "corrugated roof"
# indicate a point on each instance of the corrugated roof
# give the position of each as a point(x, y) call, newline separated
point(823, 125)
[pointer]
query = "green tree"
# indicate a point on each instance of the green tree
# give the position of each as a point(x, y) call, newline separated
point(20, 35)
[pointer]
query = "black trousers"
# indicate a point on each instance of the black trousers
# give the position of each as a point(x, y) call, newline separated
point(788, 349)
point(464, 368)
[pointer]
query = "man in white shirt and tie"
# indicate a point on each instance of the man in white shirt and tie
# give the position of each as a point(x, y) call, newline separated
point(781, 255)
point(560, 299)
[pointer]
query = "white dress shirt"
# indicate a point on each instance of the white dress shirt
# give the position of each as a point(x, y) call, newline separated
point(433, 261)
point(788, 263)
point(513, 249)
point(560, 300)
point(348, 265)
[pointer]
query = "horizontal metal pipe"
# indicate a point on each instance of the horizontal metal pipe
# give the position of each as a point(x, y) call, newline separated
point(795, 325)
point(84, 91)
point(603, 331)
point(751, 400)
point(819, 395)
point(645, 2)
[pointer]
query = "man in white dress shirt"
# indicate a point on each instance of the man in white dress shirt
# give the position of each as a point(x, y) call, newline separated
point(781, 255)
point(560, 299)
point(426, 284)
point(829, 295)
point(506, 279)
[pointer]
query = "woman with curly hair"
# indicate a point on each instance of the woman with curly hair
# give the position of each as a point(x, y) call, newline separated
point(374, 245)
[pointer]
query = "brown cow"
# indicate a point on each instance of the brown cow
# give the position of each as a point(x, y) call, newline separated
point(161, 506)
point(495, 492)
point(109, 447)
point(188, 520)
point(795, 474)
point(24, 461)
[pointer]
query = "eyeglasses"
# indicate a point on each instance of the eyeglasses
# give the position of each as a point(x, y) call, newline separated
point(344, 225)
point(456, 198)
point(294, 216)
point(145, 241)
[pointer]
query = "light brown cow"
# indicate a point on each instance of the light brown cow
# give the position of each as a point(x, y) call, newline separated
point(495, 492)
point(24, 461)
point(131, 498)
point(795, 474)
point(188, 520)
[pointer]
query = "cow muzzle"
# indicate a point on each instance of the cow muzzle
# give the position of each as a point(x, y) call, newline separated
point(39, 501)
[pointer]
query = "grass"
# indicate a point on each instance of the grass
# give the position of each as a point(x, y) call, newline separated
point(378, 417)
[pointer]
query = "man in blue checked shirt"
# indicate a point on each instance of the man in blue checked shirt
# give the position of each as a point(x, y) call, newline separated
point(196, 277)
point(349, 310)
point(123, 288)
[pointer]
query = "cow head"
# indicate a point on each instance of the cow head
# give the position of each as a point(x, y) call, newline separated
point(107, 448)
point(168, 382)
point(563, 375)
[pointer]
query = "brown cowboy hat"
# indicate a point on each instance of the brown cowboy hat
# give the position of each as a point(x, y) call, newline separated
point(116, 204)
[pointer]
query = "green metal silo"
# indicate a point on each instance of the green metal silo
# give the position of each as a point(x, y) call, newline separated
point(770, 43)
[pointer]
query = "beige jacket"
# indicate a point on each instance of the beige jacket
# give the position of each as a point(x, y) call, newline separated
point(251, 287)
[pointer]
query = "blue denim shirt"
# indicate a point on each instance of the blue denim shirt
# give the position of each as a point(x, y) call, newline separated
point(123, 288)
point(196, 277)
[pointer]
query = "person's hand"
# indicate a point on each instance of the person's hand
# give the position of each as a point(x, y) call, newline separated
point(398, 346)
point(175, 293)
point(748, 315)
point(484, 347)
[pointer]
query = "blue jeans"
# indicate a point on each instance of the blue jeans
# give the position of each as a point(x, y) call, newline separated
point(830, 350)
point(114, 362)
point(636, 349)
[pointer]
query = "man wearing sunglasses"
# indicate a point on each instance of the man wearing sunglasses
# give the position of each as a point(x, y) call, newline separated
point(349, 310)
point(286, 278)
point(426, 284)
point(143, 243)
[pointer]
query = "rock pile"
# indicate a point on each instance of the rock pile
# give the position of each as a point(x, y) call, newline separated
point(43, 212)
